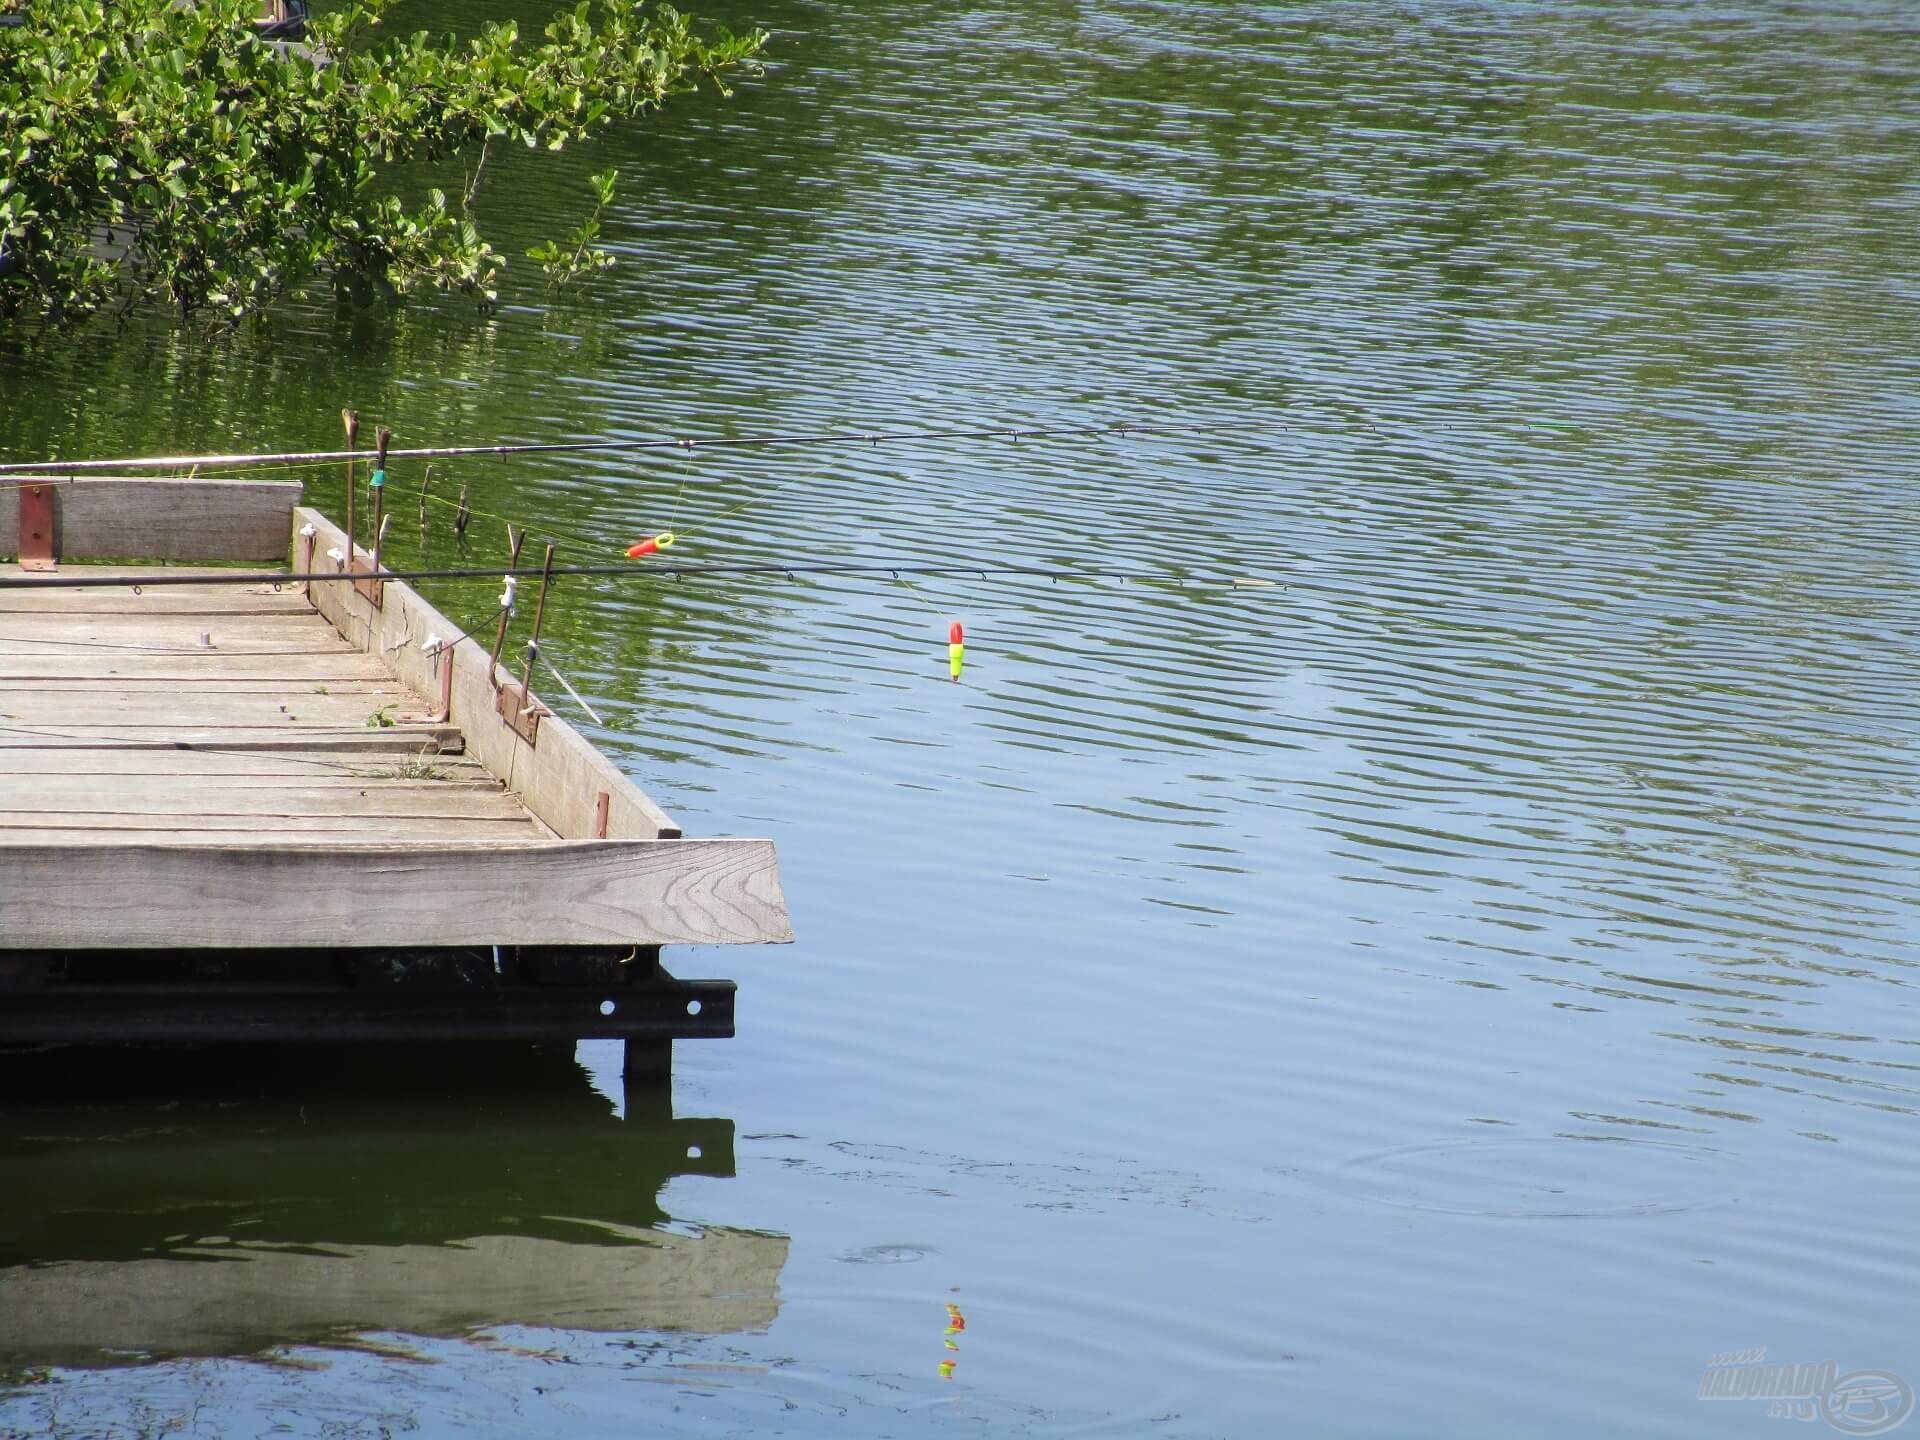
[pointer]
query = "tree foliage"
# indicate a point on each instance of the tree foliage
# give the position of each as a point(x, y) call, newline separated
point(568, 260)
point(157, 152)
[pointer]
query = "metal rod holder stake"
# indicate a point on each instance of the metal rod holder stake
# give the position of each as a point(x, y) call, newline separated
point(506, 613)
point(380, 493)
point(351, 419)
point(521, 710)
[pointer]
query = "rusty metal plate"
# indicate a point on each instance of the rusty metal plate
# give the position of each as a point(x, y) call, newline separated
point(374, 590)
point(525, 719)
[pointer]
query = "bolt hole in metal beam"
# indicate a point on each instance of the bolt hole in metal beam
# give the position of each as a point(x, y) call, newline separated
point(607, 1007)
point(693, 1007)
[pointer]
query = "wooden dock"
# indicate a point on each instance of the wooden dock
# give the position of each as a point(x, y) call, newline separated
point(282, 810)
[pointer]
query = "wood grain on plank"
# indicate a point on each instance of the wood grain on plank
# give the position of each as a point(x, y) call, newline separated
point(125, 620)
point(631, 892)
point(293, 829)
point(203, 644)
point(213, 685)
point(400, 740)
point(193, 707)
point(237, 602)
point(288, 764)
point(53, 799)
point(244, 834)
point(314, 668)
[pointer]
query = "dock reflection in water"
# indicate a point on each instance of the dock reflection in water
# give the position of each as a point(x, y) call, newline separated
point(239, 1207)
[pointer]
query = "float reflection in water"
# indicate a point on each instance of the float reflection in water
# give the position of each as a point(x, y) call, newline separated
point(389, 1198)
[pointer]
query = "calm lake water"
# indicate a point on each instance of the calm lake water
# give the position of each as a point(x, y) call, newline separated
point(1460, 989)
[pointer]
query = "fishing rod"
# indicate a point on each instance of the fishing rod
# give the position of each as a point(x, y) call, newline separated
point(676, 572)
point(686, 443)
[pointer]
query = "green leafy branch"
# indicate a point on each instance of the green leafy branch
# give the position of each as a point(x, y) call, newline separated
point(158, 153)
point(566, 262)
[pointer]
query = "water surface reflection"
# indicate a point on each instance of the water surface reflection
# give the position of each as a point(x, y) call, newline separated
point(246, 1203)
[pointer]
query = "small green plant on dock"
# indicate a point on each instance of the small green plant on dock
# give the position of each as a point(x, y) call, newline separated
point(416, 767)
point(159, 153)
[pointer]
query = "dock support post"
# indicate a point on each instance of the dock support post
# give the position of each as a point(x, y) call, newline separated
point(648, 1063)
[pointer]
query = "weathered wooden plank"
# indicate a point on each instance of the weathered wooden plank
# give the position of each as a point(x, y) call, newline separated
point(215, 684)
point(55, 798)
point(193, 706)
point(317, 830)
point(187, 668)
point(126, 622)
point(146, 634)
point(243, 835)
point(398, 740)
point(561, 777)
point(291, 765)
point(162, 519)
point(17, 827)
point(235, 601)
point(30, 785)
point(632, 892)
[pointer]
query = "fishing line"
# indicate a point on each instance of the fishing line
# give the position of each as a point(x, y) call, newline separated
point(755, 498)
point(686, 475)
point(673, 510)
point(540, 653)
point(941, 615)
point(554, 531)
point(467, 633)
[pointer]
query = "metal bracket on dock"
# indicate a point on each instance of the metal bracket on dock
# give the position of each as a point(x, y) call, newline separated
point(444, 659)
point(213, 997)
point(36, 527)
point(521, 711)
point(374, 590)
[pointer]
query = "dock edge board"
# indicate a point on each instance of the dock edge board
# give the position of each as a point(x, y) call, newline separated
point(597, 892)
point(560, 777)
point(155, 518)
